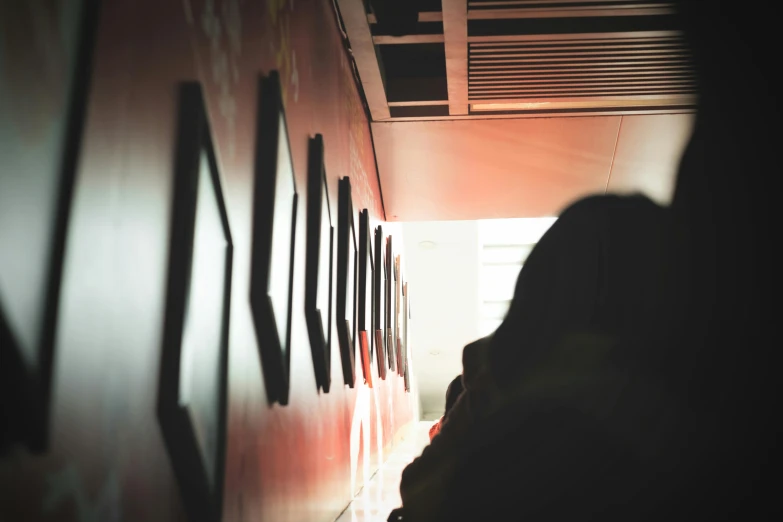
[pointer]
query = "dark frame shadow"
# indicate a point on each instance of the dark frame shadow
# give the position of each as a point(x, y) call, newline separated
point(318, 211)
point(346, 282)
point(25, 392)
point(380, 303)
point(269, 216)
point(202, 498)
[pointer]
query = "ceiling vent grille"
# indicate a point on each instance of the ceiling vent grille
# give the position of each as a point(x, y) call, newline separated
point(567, 8)
point(615, 70)
point(519, 58)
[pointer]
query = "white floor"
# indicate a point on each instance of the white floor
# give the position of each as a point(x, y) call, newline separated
point(382, 493)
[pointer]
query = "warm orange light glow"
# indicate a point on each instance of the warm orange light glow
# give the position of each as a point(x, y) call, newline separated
point(581, 103)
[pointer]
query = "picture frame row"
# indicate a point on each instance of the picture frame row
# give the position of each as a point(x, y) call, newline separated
point(348, 279)
point(353, 285)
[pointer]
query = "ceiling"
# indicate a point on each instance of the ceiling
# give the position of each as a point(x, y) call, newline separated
point(465, 59)
point(479, 169)
point(514, 108)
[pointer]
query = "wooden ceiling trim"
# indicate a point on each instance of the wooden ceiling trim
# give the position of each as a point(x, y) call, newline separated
point(547, 102)
point(424, 16)
point(363, 48)
point(592, 58)
point(569, 12)
point(645, 36)
point(577, 90)
point(592, 45)
point(425, 103)
point(557, 84)
point(578, 52)
point(594, 66)
point(560, 88)
point(408, 39)
point(587, 96)
point(669, 72)
point(566, 113)
point(521, 3)
point(455, 31)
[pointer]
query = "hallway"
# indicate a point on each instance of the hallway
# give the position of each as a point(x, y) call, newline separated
point(244, 246)
point(382, 493)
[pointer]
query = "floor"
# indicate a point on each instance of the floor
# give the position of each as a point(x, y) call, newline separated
point(376, 500)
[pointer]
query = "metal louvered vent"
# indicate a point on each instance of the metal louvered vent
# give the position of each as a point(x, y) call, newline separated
point(519, 58)
point(569, 71)
point(570, 8)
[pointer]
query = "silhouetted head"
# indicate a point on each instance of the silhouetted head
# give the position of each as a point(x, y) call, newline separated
point(593, 280)
point(453, 392)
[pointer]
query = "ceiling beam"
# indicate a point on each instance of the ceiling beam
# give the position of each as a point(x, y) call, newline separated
point(424, 16)
point(570, 12)
point(355, 20)
point(455, 35)
point(575, 113)
point(639, 36)
point(598, 102)
point(425, 103)
point(408, 39)
point(522, 3)
point(508, 10)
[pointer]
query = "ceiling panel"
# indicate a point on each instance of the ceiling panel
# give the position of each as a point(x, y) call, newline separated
point(518, 58)
point(648, 154)
point(480, 169)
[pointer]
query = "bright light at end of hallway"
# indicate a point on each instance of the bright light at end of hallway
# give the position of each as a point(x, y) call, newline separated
point(519, 231)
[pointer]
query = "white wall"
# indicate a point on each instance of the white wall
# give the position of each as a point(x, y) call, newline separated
point(444, 291)
point(460, 287)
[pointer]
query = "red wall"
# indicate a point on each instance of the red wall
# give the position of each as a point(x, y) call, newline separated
point(107, 455)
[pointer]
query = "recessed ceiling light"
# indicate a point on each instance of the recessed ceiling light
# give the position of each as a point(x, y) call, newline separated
point(434, 352)
point(427, 245)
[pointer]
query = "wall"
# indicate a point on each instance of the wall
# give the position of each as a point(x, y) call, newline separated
point(445, 304)
point(107, 460)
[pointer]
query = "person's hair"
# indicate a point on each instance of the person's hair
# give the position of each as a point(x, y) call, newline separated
point(596, 274)
point(453, 392)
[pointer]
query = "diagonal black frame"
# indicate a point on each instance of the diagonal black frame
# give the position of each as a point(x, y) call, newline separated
point(202, 498)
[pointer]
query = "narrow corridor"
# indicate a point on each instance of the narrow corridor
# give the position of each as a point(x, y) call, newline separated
point(382, 492)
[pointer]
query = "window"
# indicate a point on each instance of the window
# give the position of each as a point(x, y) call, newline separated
point(504, 245)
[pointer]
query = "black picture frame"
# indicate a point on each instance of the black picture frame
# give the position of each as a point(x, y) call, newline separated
point(366, 274)
point(193, 418)
point(398, 305)
point(347, 257)
point(391, 349)
point(407, 379)
point(319, 265)
point(274, 239)
point(366, 294)
point(380, 303)
point(405, 337)
point(27, 358)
